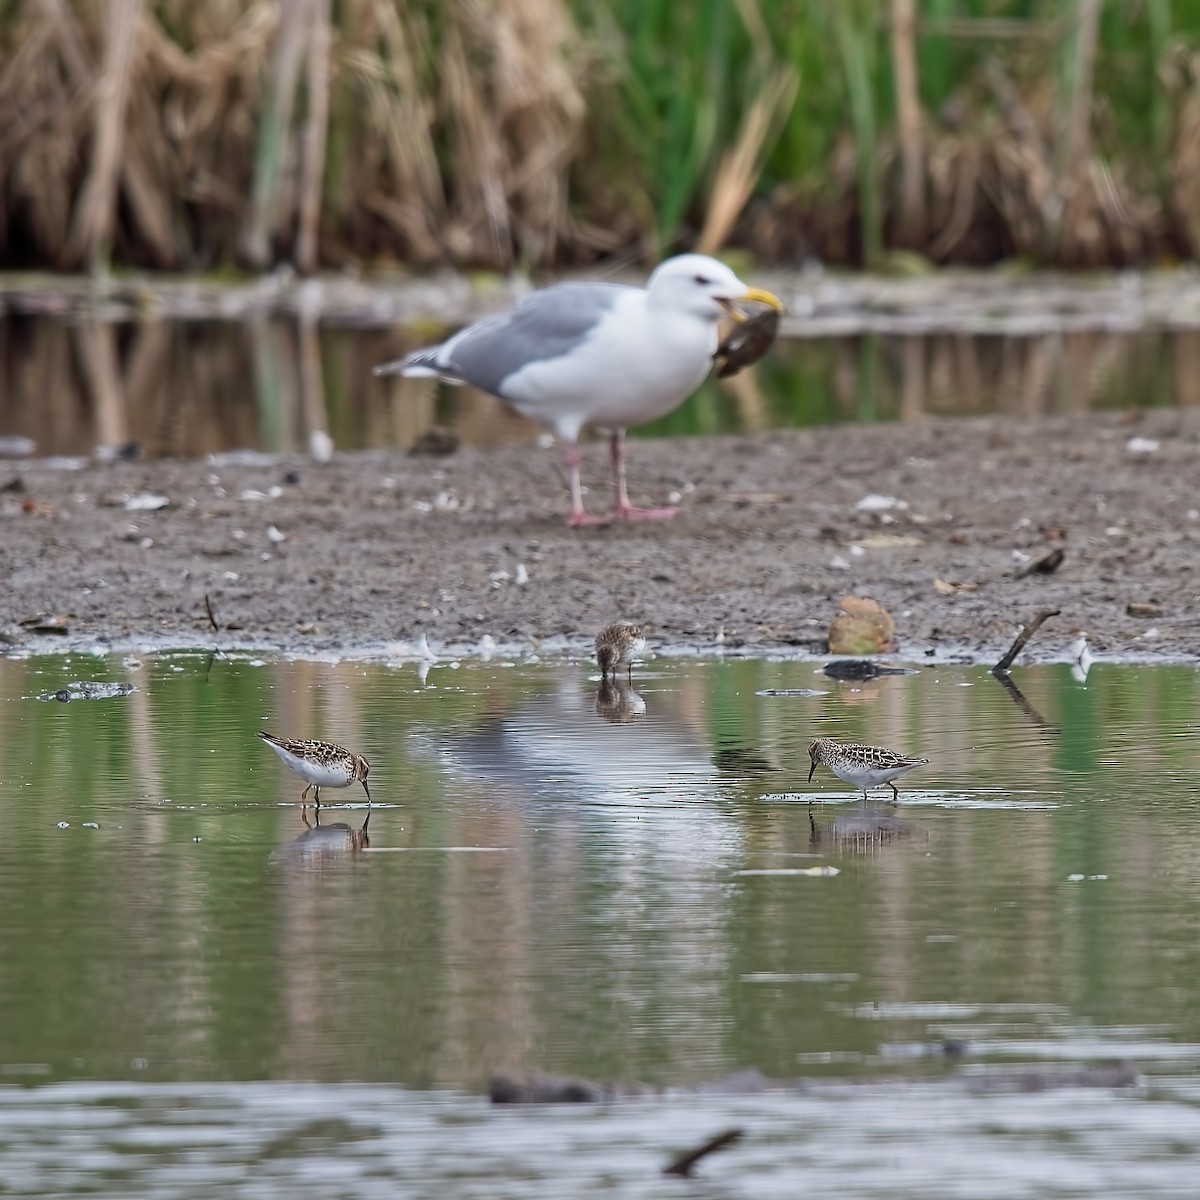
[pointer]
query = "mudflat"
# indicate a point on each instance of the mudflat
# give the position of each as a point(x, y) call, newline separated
point(934, 519)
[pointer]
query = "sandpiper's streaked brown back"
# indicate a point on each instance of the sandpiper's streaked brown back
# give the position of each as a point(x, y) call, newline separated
point(860, 765)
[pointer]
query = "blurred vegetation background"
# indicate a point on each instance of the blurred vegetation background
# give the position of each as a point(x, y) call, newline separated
point(210, 134)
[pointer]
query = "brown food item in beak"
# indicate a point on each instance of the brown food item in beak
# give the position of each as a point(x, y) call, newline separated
point(746, 342)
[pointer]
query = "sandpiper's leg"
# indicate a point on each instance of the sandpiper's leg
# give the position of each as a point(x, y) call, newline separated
point(625, 511)
point(317, 794)
point(574, 457)
point(304, 800)
point(895, 792)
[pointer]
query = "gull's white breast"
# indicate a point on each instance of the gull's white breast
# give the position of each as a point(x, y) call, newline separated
point(638, 364)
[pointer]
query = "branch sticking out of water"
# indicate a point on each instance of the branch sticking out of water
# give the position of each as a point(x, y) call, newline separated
point(1027, 631)
point(683, 1164)
point(209, 609)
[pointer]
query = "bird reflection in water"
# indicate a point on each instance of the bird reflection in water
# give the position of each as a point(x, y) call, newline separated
point(320, 844)
point(864, 830)
point(618, 702)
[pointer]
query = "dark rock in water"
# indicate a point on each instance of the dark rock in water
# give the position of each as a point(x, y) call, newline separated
point(743, 760)
point(506, 1088)
point(435, 442)
point(125, 452)
point(862, 668)
point(15, 484)
point(513, 1088)
point(1112, 1073)
point(552, 1089)
point(84, 689)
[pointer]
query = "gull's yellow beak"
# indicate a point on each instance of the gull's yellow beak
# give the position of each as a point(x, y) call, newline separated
point(755, 296)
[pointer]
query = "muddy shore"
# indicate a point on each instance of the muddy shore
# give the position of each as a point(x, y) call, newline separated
point(371, 551)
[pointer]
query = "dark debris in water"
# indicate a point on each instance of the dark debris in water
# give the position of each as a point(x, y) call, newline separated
point(83, 689)
point(508, 1087)
point(862, 668)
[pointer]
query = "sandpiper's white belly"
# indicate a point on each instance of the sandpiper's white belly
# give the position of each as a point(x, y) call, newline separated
point(329, 775)
point(868, 777)
point(634, 650)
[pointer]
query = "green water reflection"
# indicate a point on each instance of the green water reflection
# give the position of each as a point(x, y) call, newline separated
point(550, 886)
point(186, 389)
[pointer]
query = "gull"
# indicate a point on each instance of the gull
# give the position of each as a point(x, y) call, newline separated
point(604, 355)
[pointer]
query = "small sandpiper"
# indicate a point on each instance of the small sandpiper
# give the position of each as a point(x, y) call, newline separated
point(620, 642)
point(862, 767)
point(320, 764)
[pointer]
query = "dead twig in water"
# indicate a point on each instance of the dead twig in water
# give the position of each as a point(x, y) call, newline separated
point(1023, 703)
point(209, 609)
point(682, 1166)
point(1027, 631)
point(1046, 565)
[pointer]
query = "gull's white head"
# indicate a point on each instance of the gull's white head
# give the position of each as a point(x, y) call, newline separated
point(702, 286)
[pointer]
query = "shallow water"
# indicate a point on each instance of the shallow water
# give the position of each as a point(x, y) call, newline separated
point(195, 1000)
point(185, 389)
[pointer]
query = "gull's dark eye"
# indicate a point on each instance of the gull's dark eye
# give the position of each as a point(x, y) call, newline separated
point(702, 280)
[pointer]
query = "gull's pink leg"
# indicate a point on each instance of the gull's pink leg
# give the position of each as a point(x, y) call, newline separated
point(573, 457)
point(625, 511)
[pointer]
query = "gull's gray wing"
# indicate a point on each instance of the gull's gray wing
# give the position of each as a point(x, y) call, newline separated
point(547, 324)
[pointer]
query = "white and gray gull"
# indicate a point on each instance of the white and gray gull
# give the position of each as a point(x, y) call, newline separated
point(596, 354)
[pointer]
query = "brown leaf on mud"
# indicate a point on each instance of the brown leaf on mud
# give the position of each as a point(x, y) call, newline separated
point(41, 623)
point(1137, 608)
point(883, 541)
point(949, 587)
point(862, 626)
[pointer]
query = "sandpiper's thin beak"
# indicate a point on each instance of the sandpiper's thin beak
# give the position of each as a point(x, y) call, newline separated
point(367, 790)
point(754, 295)
point(389, 368)
point(811, 771)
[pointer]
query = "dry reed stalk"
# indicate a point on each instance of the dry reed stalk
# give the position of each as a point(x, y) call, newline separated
point(395, 170)
point(314, 136)
point(95, 213)
point(513, 111)
point(1181, 71)
point(741, 167)
point(1076, 143)
point(910, 220)
point(274, 127)
point(954, 173)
